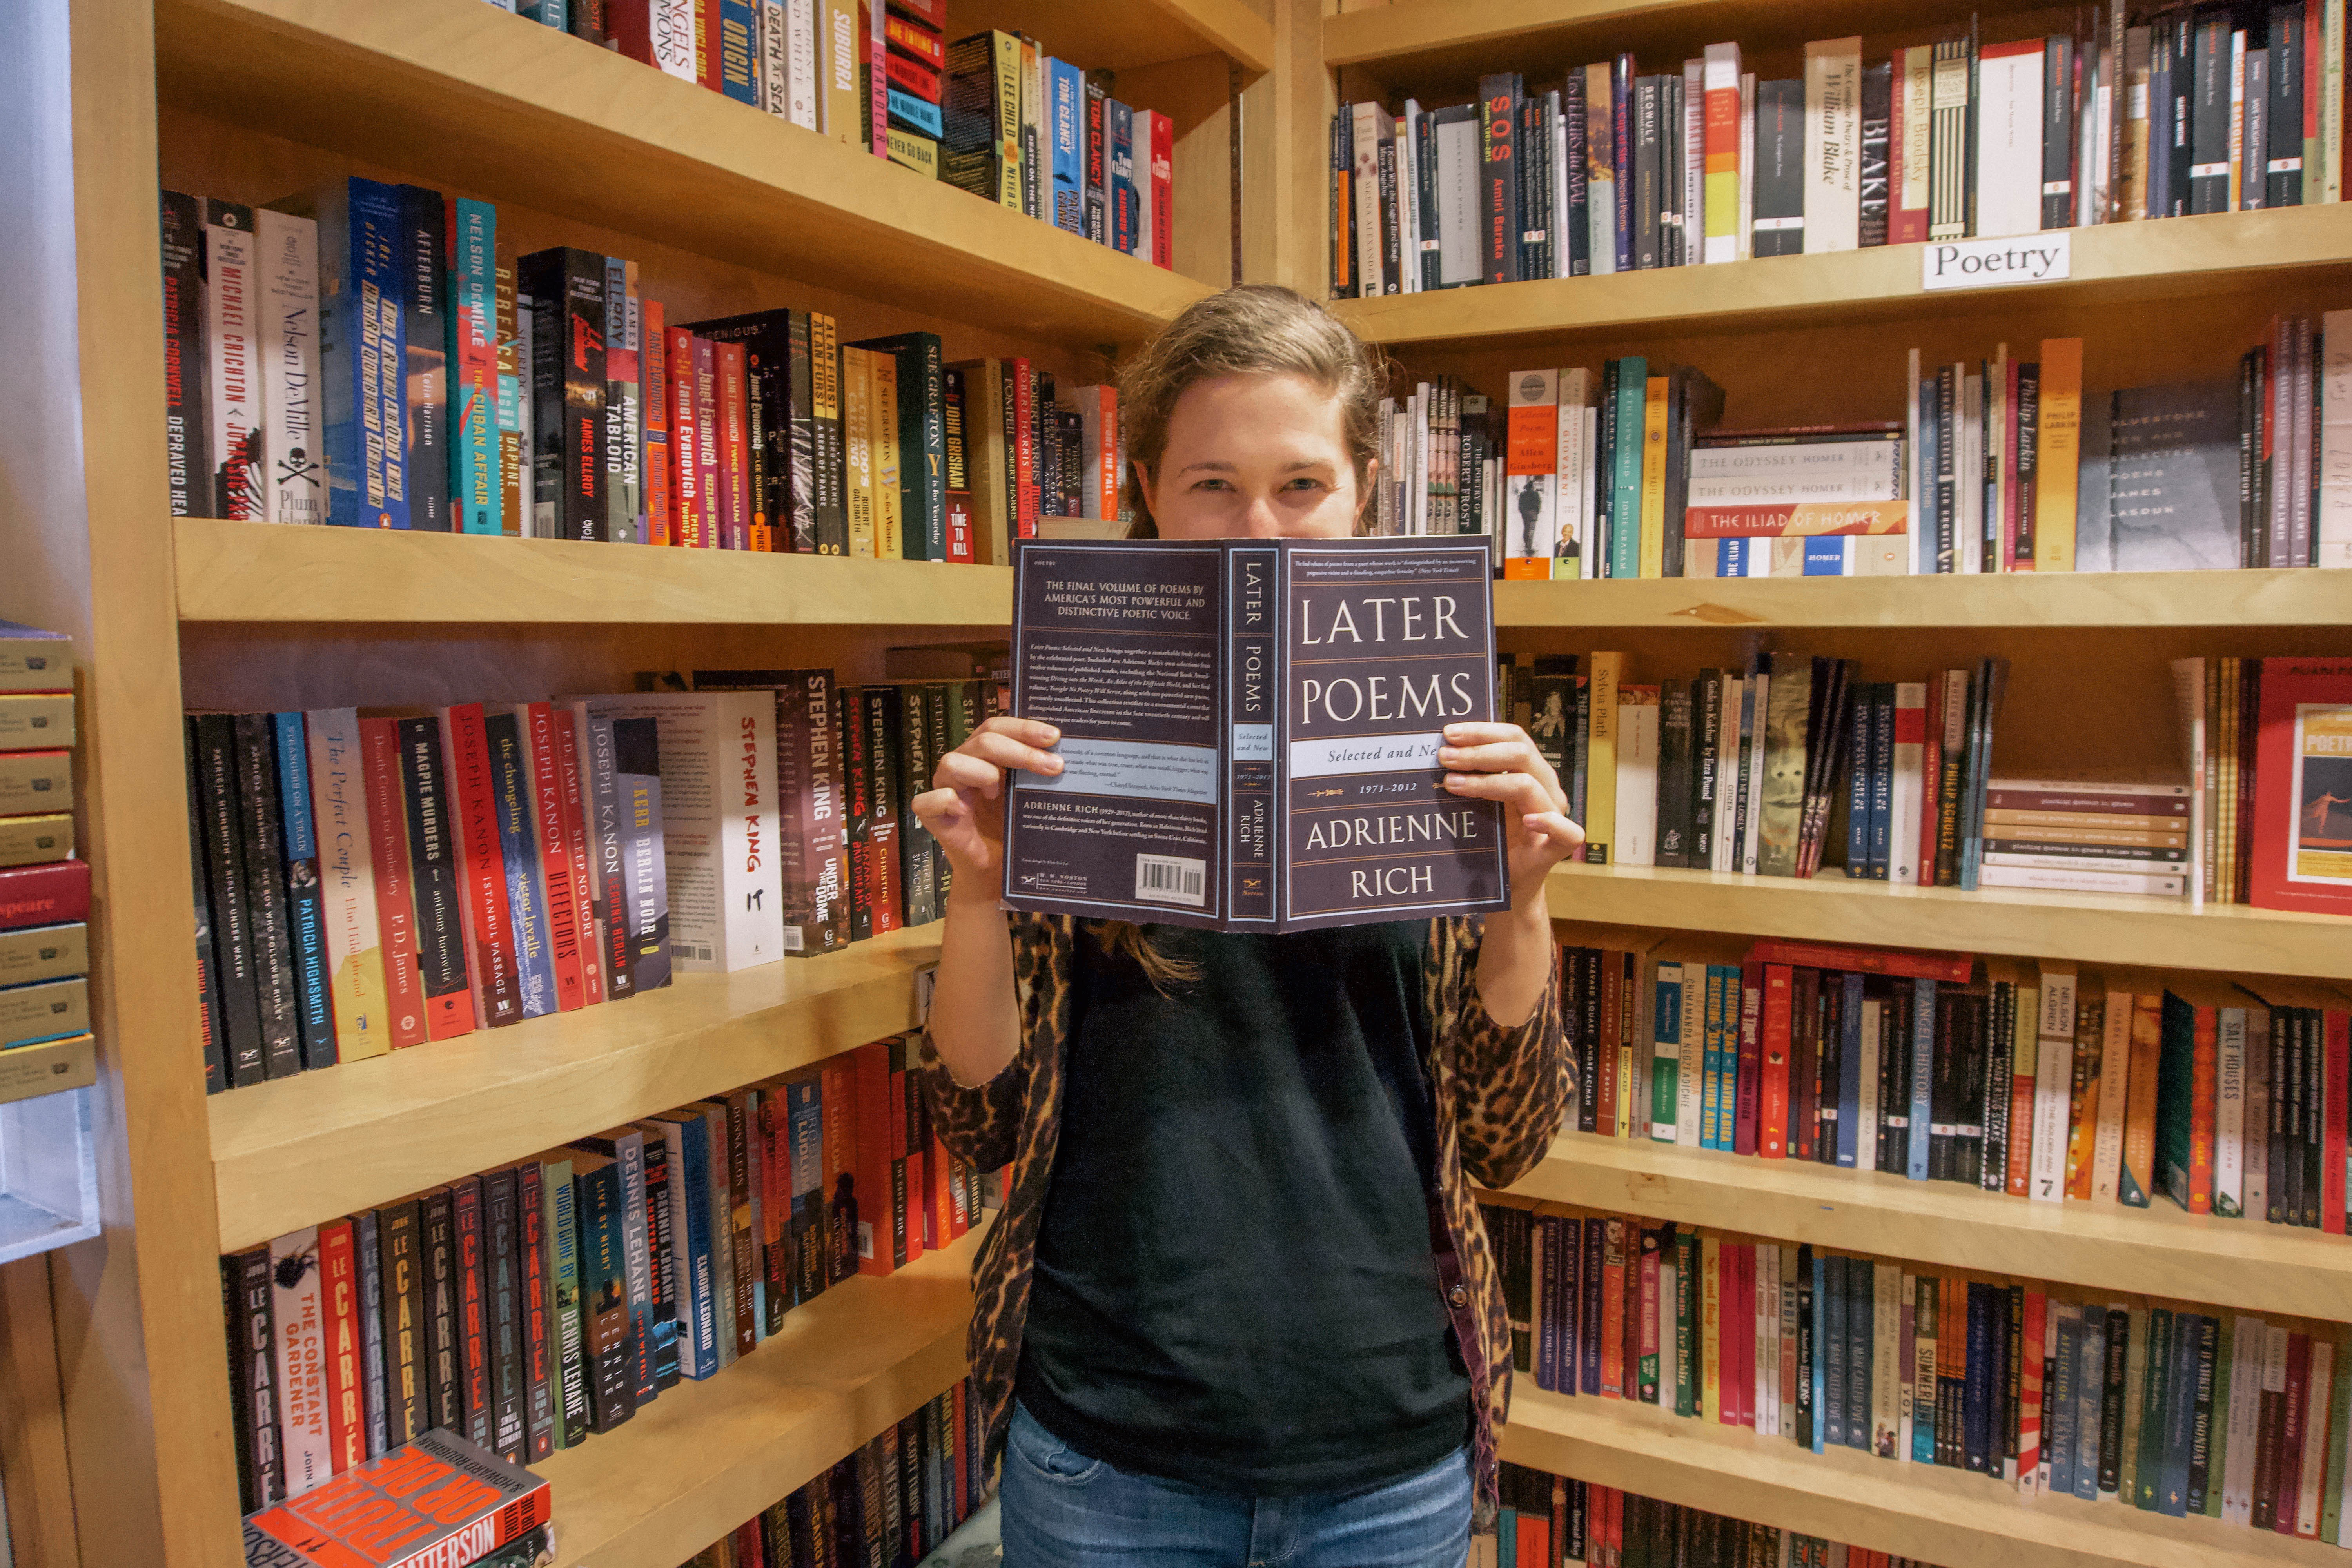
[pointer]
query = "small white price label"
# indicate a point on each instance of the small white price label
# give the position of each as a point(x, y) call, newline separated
point(2042, 258)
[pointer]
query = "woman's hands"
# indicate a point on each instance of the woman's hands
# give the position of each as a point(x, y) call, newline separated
point(1499, 762)
point(964, 808)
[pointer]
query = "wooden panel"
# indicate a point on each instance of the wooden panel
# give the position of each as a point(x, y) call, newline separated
point(2107, 599)
point(1949, 1516)
point(295, 1151)
point(2159, 1251)
point(457, 90)
point(1127, 35)
point(2087, 927)
point(336, 576)
point(705, 1457)
point(40, 1503)
point(2115, 263)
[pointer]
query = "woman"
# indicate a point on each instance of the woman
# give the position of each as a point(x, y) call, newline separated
point(1240, 1308)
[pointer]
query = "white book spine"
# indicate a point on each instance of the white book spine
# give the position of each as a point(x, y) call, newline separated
point(1408, 163)
point(1906, 1395)
point(1690, 1079)
point(2053, 1080)
point(673, 38)
point(1785, 1261)
point(2332, 527)
point(1886, 1358)
point(1589, 563)
point(1719, 73)
point(236, 378)
point(1972, 453)
point(770, 69)
point(1865, 1124)
point(1723, 847)
point(2114, 1089)
point(2009, 140)
point(306, 1448)
point(1746, 238)
point(2257, 1155)
point(286, 345)
point(1832, 145)
point(1455, 143)
point(1562, 250)
point(800, 63)
point(1906, 789)
point(2229, 1112)
point(2318, 1389)
point(1569, 488)
point(1637, 780)
point(2244, 1419)
point(1694, 169)
point(2046, 880)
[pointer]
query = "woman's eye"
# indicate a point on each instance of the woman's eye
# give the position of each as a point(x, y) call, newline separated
point(1304, 483)
point(1212, 484)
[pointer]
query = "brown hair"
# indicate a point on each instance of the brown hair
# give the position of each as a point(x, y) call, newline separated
point(1251, 329)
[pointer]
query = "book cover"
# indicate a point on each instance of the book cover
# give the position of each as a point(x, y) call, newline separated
point(1352, 743)
point(439, 1499)
point(2301, 855)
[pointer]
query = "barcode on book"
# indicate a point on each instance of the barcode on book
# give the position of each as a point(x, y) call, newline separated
point(1168, 879)
point(690, 950)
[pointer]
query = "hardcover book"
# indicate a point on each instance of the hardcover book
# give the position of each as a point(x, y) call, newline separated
point(1249, 731)
point(439, 1499)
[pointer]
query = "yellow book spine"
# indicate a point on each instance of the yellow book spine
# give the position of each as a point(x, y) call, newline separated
point(2083, 1120)
point(889, 498)
point(1711, 1328)
point(857, 449)
point(1600, 822)
point(824, 382)
point(1005, 50)
point(1654, 479)
point(2058, 454)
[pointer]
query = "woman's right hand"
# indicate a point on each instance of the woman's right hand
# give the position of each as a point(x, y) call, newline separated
point(964, 808)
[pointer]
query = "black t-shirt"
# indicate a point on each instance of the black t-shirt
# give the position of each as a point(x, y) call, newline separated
point(1234, 1284)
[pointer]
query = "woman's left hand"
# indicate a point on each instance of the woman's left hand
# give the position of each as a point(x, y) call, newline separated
point(1499, 762)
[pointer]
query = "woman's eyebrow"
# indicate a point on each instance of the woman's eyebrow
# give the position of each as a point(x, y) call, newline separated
point(1209, 468)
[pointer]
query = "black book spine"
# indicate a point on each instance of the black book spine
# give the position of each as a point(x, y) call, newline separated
point(433, 865)
point(211, 1017)
point(2183, 90)
point(1498, 120)
point(1425, 169)
point(538, 1327)
point(2159, 119)
point(2315, 1101)
point(2282, 171)
point(1806, 1349)
point(1603, 492)
point(1976, 1409)
point(2201, 1412)
point(265, 893)
point(402, 1273)
point(253, 1376)
point(1943, 1093)
point(828, 473)
point(2208, 116)
point(424, 233)
point(918, 850)
point(1675, 831)
point(367, 1249)
point(503, 1263)
point(2254, 188)
point(2000, 1072)
point(1780, 198)
point(187, 420)
point(444, 1349)
point(2281, 1105)
point(2058, 133)
point(586, 18)
point(2253, 542)
point(664, 1320)
point(474, 1342)
point(1578, 219)
point(2111, 1399)
point(1877, 149)
point(566, 288)
point(1649, 194)
point(1391, 216)
point(1678, 454)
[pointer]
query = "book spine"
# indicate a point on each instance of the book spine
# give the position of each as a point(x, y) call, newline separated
point(513, 803)
point(477, 495)
point(286, 350)
point(475, 1369)
point(233, 310)
point(566, 288)
point(553, 876)
point(540, 1377)
point(265, 889)
point(480, 867)
point(187, 426)
point(338, 1300)
point(502, 1268)
point(305, 907)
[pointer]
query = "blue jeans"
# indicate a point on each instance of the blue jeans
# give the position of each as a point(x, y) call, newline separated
point(1062, 1509)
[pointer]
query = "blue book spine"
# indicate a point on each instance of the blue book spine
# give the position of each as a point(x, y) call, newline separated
point(556, 14)
point(1976, 1394)
point(1820, 1359)
point(1722, 1051)
point(510, 798)
point(1857, 805)
point(1120, 120)
point(2090, 1383)
point(804, 1124)
point(1850, 1073)
point(1860, 1339)
point(1069, 100)
point(1882, 781)
point(739, 51)
point(2061, 1403)
point(1824, 556)
point(2180, 1416)
point(474, 487)
point(1833, 1299)
point(1710, 1056)
point(1506, 1539)
point(314, 1013)
point(697, 1247)
point(917, 115)
point(1923, 1055)
point(362, 354)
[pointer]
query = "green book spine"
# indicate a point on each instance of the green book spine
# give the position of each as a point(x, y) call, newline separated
point(2134, 1391)
point(2339, 1417)
point(2220, 1437)
point(563, 1285)
point(1665, 1051)
point(1633, 392)
point(2154, 1396)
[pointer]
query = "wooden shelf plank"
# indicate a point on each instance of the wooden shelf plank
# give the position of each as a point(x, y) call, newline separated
point(462, 92)
point(337, 576)
point(2158, 1251)
point(705, 1457)
point(2265, 598)
point(1948, 1517)
point(2172, 258)
point(2100, 928)
point(295, 1151)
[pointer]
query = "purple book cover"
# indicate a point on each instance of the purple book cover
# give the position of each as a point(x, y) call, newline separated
point(1249, 731)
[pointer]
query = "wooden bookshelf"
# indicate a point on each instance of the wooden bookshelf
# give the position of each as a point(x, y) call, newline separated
point(2113, 263)
point(1128, 36)
point(467, 95)
point(2158, 1251)
point(292, 1152)
point(705, 1457)
point(256, 571)
point(2102, 599)
point(2091, 928)
point(1948, 1517)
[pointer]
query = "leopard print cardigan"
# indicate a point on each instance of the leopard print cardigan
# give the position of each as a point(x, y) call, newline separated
point(1499, 1094)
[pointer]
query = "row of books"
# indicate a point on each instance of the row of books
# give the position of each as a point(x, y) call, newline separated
point(2040, 1081)
point(1550, 1521)
point(546, 396)
point(2163, 1408)
point(1760, 770)
point(892, 1501)
point(2267, 747)
point(532, 1306)
point(369, 882)
point(45, 1044)
point(2216, 110)
point(992, 113)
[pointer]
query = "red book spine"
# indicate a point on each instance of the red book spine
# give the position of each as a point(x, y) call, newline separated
point(2020, 1125)
point(2336, 1058)
point(44, 895)
point(482, 868)
point(1743, 1329)
point(1931, 770)
point(734, 453)
point(684, 437)
point(473, 1316)
point(1750, 1091)
point(870, 1078)
point(339, 1299)
point(907, 1144)
point(1646, 1346)
point(1772, 1129)
point(710, 499)
point(540, 724)
point(573, 798)
point(395, 910)
point(2287, 1496)
point(1163, 191)
point(960, 526)
point(705, 43)
point(909, 75)
point(2204, 1073)
point(1024, 448)
point(655, 471)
